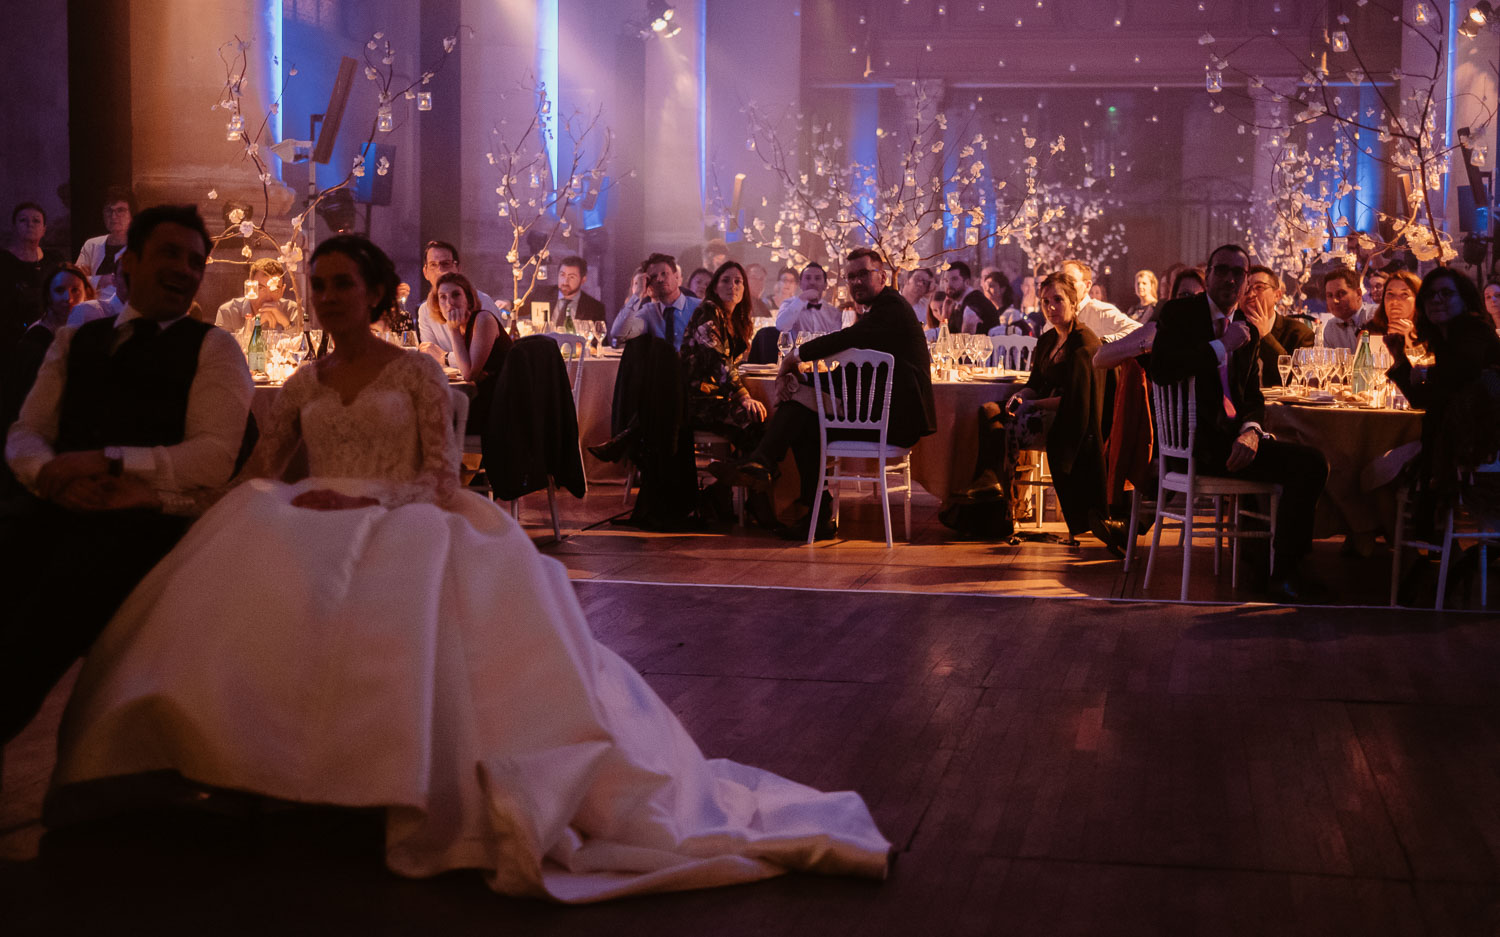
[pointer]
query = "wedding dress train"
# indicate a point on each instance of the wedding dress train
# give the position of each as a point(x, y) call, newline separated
point(426, 659)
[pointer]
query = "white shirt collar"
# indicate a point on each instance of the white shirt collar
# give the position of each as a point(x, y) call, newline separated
point(130, 314)
point(1215, 312)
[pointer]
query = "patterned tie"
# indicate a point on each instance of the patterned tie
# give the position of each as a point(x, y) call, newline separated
point(562, 314)
point(1219, 328)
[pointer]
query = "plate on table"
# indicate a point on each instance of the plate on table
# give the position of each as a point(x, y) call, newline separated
point(453, 374)
point(994, 378)
point(759, 370)
point(1308, 401)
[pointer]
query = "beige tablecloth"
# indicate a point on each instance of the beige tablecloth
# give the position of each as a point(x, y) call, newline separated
point(943, 462)
point(596, 392)
point(1350, 439)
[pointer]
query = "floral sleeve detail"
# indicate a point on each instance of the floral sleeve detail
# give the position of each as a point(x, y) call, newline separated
point(711, 370)
point(437, 477)
point(281, 434)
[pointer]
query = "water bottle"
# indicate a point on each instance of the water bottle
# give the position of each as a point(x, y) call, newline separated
point(1360, 371)
point(256, 350)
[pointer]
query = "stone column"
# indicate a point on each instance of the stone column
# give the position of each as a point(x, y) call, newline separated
point(674, 136)
point(179, 148)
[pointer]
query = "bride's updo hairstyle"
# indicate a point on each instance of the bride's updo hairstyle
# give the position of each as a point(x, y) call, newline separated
point(374, 267)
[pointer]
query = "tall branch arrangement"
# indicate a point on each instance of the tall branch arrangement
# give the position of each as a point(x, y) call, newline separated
point(1299, 214)
point(926, 189)
point(539, 210)
point(379, 58)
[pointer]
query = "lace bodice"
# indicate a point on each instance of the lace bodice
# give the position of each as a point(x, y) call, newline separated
point(397, 430)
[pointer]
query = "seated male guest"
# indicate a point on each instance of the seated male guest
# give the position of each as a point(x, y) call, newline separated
point(1202, 337)
point(664, 309)
point(265, 296)
point(1345, 318)
point(567, 296)
point(1103, 318)
point(889, 325)
point(1286, 335)
point(808, 311)
point(131, 420)
point(438, 258)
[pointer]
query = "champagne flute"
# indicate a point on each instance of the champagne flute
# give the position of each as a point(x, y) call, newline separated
point(784, 343)
point(1284, 366)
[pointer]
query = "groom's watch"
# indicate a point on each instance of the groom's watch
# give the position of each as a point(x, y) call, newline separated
point(115, 456)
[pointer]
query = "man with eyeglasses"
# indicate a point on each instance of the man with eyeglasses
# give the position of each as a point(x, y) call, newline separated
point(1264, 290)
point(1215, 339)
point(438, 258)
point(887, 324)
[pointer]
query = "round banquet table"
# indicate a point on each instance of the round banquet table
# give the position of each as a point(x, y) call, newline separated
point(1350, 439)
point(596, 395)
point(943, 462)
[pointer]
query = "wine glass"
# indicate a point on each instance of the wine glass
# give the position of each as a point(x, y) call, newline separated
point(1284, 366)
point(784, 344)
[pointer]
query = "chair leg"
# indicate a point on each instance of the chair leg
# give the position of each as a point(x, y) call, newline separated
point(515, 509)
point(1187, 545)
point(812, 519)
point(1218, 531)
point(1271, 543)
point(885, 506)
point(1443, 567)
point(552, 506)
point(1396, 540)
point(1484, 574)
point(1130, 536)
point(629, 481)
point(1234, 546)
point(906, 476)
point(1161, 505)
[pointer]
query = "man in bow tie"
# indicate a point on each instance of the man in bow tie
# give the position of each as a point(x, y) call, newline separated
point(1214, 338)
point(131, 420)
point(807, 311)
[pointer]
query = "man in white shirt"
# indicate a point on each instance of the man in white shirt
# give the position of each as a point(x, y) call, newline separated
point(1341, 293)
point(1374, 291)
point(265, 295)
point(130, 421)
point(917, 290)
point(438, 258)
point(100, 255)
point(1103, 318)
point(664, 309)
point(808, 311)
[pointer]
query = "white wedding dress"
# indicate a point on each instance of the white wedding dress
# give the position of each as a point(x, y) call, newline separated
point(428, 660)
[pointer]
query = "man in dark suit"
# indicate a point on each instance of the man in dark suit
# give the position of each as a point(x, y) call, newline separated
point(1210, 337)
point(1286, 335)
point(567, 297)
point(887, 324)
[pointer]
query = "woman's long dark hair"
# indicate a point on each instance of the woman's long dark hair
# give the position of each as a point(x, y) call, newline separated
point(1427, 330)
point(740, 324)
point(1380, 322)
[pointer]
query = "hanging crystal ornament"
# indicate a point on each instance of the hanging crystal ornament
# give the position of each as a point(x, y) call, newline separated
point(424, 100)
point(1214, 81)
point(1339, 41)
point(383, 121)
point(1422, 14)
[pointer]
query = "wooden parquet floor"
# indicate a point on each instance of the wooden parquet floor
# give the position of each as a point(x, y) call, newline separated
point(1044, 766)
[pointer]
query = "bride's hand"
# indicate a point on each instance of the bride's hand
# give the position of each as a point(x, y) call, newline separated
point(324, 499)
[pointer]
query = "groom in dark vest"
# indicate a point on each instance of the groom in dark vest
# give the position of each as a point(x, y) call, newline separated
point(131, 420)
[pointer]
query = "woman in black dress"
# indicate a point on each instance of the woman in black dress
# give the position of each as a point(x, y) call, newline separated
point(479, 342)
point(1059, 410)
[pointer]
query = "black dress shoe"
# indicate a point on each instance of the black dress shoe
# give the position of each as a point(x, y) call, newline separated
point(746, 474)
point(1111, 534)
point(986, 487)
point(798, 532)
point(1288, 589)
point(615, 449)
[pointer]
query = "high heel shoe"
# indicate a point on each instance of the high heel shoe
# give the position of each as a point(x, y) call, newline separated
point(616, 448)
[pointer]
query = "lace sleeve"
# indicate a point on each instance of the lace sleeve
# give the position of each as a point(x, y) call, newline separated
point(281, 434)
point(437, 478)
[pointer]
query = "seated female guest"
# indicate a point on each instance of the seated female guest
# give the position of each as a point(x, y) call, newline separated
point(1187, 282)
point(66, 286)
point(479, 343)
point(419, 656)
point(1397, 312)
point(1492, 300)
point(1451, 322)
point(1059, 408)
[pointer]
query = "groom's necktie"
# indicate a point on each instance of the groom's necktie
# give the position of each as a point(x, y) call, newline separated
point(669, 322)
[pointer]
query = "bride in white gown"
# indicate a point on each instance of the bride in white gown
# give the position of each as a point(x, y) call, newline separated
point(374, 636)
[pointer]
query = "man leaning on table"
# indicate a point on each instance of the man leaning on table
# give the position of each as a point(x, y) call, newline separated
point(887, 324)
point(130, 419)
point(1214, 339)
point(1285, 335)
